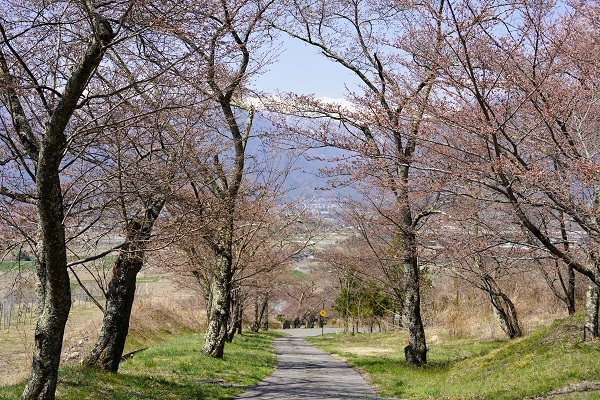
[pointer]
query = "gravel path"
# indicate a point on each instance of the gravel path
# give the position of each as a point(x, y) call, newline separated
point(305, 372)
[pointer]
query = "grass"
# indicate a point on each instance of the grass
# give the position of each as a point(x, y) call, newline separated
point(175, 369)
point(17, 265)
point(547, 359)
point(30, 265)
point(296, 274)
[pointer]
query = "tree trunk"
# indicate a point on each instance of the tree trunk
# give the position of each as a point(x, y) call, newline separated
point(264, 314)
point(566, 292)
point(592, 305)
point(108, 350)
point(220, 296)
point(569, 289)
point(239, 321)
point(255, 325)
point(53, 284)
point(260, 310)
point(416, 351)
point(504, 309)
point(54, 290)
point(236, 320)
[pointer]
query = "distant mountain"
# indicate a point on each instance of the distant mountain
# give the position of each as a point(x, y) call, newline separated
point(307, 178)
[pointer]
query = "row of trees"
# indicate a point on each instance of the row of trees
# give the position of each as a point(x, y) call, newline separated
point(472, 141)
point(128, 120)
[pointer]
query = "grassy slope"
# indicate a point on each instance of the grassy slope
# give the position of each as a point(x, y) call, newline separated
point(536, 364)
point(174, 369)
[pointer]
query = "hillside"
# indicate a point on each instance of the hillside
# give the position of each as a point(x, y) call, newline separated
point(551, 361)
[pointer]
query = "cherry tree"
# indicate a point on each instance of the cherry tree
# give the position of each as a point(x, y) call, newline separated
point(521, 121)
point(222, 41)
point(392, 47)
point(48, 57)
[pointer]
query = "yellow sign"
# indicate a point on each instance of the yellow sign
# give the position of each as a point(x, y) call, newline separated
point(323, 313)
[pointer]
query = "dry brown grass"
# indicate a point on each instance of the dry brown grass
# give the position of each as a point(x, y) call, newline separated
point(159, 312)
point(456, 309)
point(154, 319)
point(17, 343)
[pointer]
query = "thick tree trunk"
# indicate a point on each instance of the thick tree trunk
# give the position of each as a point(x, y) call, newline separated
point(504, 309)
point(54, 293)
point(220, 297)
point(592, 306)
point(53, 284)
point(416, 351)
point(108, 350)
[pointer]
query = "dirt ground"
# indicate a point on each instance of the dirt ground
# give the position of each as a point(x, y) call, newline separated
point(579, 390)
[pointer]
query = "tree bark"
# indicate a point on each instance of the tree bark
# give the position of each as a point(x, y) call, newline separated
point(236, 317)
point(416, 351)
point(220, 298)
point(108, 350)
point(592, 306)
point(566, 292)
point(504, 309)
point(264, 314)
point(259, 313)
point(569, 288)
point(53, 286)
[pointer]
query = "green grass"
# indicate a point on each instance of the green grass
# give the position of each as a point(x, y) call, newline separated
point(17, 265)
point(534, 365)
point(30, 265)
point(296, 274)
point(175, 369)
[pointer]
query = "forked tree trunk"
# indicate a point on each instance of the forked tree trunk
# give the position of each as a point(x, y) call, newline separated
point(108, 350)
point(220, 297)
point(416, 351)
point(592, 305)
point(566, 292)
point(259, 313)
point(54, 289)
point(503, 308)
point(235, 325)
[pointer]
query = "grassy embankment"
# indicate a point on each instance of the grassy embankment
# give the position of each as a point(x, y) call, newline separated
point(174, 369)
point(544, 360)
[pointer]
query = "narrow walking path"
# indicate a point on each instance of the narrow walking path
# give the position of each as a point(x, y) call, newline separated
point(305, 372)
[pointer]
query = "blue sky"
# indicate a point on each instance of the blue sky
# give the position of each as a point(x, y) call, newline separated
point(301, 69)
